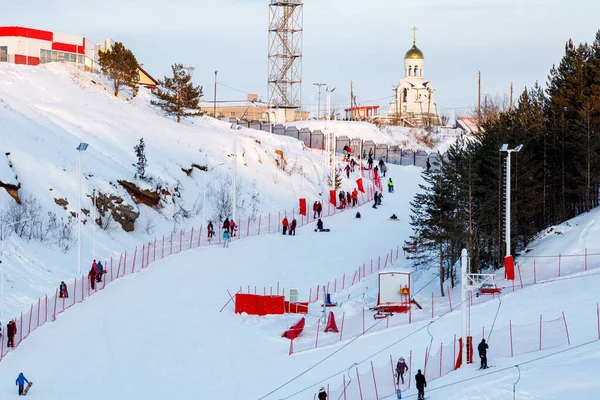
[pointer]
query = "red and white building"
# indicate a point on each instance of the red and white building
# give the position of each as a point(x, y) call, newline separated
point(28, 46)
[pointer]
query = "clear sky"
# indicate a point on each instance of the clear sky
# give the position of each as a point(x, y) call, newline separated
point(363, 41)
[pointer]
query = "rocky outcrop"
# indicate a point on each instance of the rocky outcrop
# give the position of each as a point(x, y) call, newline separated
point(121, 212)
point(142, 196)
point(188, 171)
point(13, 190)
point(62, 202)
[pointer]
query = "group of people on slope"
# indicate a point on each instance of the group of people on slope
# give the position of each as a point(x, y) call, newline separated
point(11, 331)
point(347, 199)
point(95, 274)
point(420, 381)
point(377, 197)
point(287, 227)
point(317, 209)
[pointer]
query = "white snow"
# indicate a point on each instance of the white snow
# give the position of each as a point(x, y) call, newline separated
point(159, 333)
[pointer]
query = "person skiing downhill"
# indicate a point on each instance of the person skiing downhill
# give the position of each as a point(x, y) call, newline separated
point(421, 384)
point(401, 368)
point(482, 349)
point(21, 382)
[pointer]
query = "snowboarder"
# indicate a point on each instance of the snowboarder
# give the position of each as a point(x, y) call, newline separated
point(482, 349)
point(211, 230)
point(421, 384)
point(92, 276)
point(11, 331)
point(428, 164)
point(390, 185)
point(357, 214)
point(285, 224)
point(232, 228)
point(226, 238)
point(322, 394)
point(375, 199)
point(62, 290)
point(319, 225)
point(21, 382)
point(100, 271)
point(394, 217)
point(293, 227)
point(401, 368)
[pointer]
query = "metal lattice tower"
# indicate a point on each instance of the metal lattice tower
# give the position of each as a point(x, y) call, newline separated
point(285, 53)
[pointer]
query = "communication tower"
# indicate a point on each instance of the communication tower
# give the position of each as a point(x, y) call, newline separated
point(285, 53)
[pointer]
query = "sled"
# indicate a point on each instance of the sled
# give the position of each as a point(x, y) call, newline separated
point(322, 230)
point(29, 385)
point(394, 220)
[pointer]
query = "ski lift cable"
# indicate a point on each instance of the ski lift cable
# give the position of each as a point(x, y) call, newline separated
point(518, 379)
point(428, 351)
point(495, 317)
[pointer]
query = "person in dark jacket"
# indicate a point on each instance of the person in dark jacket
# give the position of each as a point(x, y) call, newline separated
point(92, 276)
point(401, 368)
point(211, 230)
point(322, 394)
point(421, 384)
point(375, 199)
point(11, 331)
point(379, 199)
point(482, 349)
point(428, 164)
point(293, 227)
point(319, 209)
point(21, 382)
point(62, 290)
point(226, 224)
point(99, 270)
point(357, 214)
point(319, 225)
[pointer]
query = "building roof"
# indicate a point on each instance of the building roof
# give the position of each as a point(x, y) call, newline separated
point(142, 70)
point(414, 53)
point(470, 125)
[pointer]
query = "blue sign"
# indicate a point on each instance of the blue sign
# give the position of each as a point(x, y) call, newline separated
point(398, 393)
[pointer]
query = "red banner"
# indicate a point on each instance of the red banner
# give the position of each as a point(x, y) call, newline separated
point(332, 197)
point(303, 206)
point(509, 268)
point(359, 183)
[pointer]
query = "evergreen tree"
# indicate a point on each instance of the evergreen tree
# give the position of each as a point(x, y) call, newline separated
point(178, 95)
point(121, 66)
point(142, 163)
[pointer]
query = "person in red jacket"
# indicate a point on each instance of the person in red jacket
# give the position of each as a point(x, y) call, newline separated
point(319, 209)
point(92, 276)
point(354, 198)
point(232, 227)
point(401, 368)
point(285, 224)
point(293, 227)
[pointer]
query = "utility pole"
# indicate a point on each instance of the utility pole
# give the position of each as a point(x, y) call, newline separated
point(464, 305)
point(479, 98)
point(319, 84)
point(94, 223)
point(82, 147)
point(329, 90)
point(511, 97)
point(351, 95)
point(215, 97)
point(508, 151)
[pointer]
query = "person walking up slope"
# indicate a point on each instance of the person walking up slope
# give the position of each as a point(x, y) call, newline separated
point(401, 368)
point(285, 223)
point(21, 382)
point(421, 384)
point(226, 237)
point(482, 349)
point(322, 394)
point(293, 227)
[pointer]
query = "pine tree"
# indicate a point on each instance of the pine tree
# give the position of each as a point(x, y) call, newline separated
point(142, 163)
point(178, 95)
point(338, 180)
point(121, 66)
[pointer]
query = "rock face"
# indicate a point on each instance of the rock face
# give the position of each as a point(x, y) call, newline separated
point(62, 202)
point(13, 190)
point(121, 212)
point(142, 196)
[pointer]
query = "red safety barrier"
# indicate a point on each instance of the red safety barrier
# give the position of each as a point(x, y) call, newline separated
point(295, 330)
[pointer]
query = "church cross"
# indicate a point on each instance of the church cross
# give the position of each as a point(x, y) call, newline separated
point(414, 29)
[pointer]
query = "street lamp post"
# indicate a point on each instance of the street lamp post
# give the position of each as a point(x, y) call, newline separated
point(319, 84)
point(329, 90)
point(82, 147)
point(215, 97)
point(204, 194)
point(508, 151)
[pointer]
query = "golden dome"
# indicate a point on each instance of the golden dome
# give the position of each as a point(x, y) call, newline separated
point(414, 53)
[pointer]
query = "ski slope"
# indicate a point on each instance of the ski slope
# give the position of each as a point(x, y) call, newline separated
point(160, 330)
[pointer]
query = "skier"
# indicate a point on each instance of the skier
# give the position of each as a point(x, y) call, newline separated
point(322, 394)
point(21, 382)
point(401, 368)
point(226, 224)
point(381, 164)
point(11, 331)
point(390, 185)
point(482, 349)
point(92, 276)
point(428, 164)
point(347, 169)
point(62, 290)
point(421, 384)
point(285, 224)
point(99, 270)
point(319, 225)
point(232, 227)
point(226, 238)
point(375, 199)
point(211, 230)
point(348, 198)
point(293, 227)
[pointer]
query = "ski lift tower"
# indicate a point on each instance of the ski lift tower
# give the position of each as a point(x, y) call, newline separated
point(285, 54)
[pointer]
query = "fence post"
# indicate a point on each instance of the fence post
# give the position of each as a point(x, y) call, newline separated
point(199, 236)
point(511, 338)
point(359, 386)
point(432, 304)
point(520, 277)
point(343, 281)
point(318, 329)
point(180, 239)
point(247, 230)
point(153, 249)
point(598, 318)
point(363, 321)
point(191, 237)
point(269, 225)
point(134, 257)
point(171, 244)
point(143, 253)
point(559, 265)
point(441, 358)
point(566, 329)
point(344, 315)
point(540, 332)
point(409, 367)
point(124, 264)
point(534, 272)
point(374, 381)
point(46, 313)
point(344, 387)
point(585, 260)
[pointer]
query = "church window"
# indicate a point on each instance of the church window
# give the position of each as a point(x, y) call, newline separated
point(416, 70)
point(405, 95)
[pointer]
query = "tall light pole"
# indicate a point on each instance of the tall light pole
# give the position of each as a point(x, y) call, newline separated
point(215, 97)
point(507, 217)
point(329, 90)
point(204, 194)
point(82, 147)
point(233, 183)
point(94, 223)
point(319, 84)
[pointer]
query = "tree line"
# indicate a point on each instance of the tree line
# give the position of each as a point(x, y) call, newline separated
point(554, 177)
point(177, 96)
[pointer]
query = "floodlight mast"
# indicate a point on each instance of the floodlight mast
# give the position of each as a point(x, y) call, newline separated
point(508, 151)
